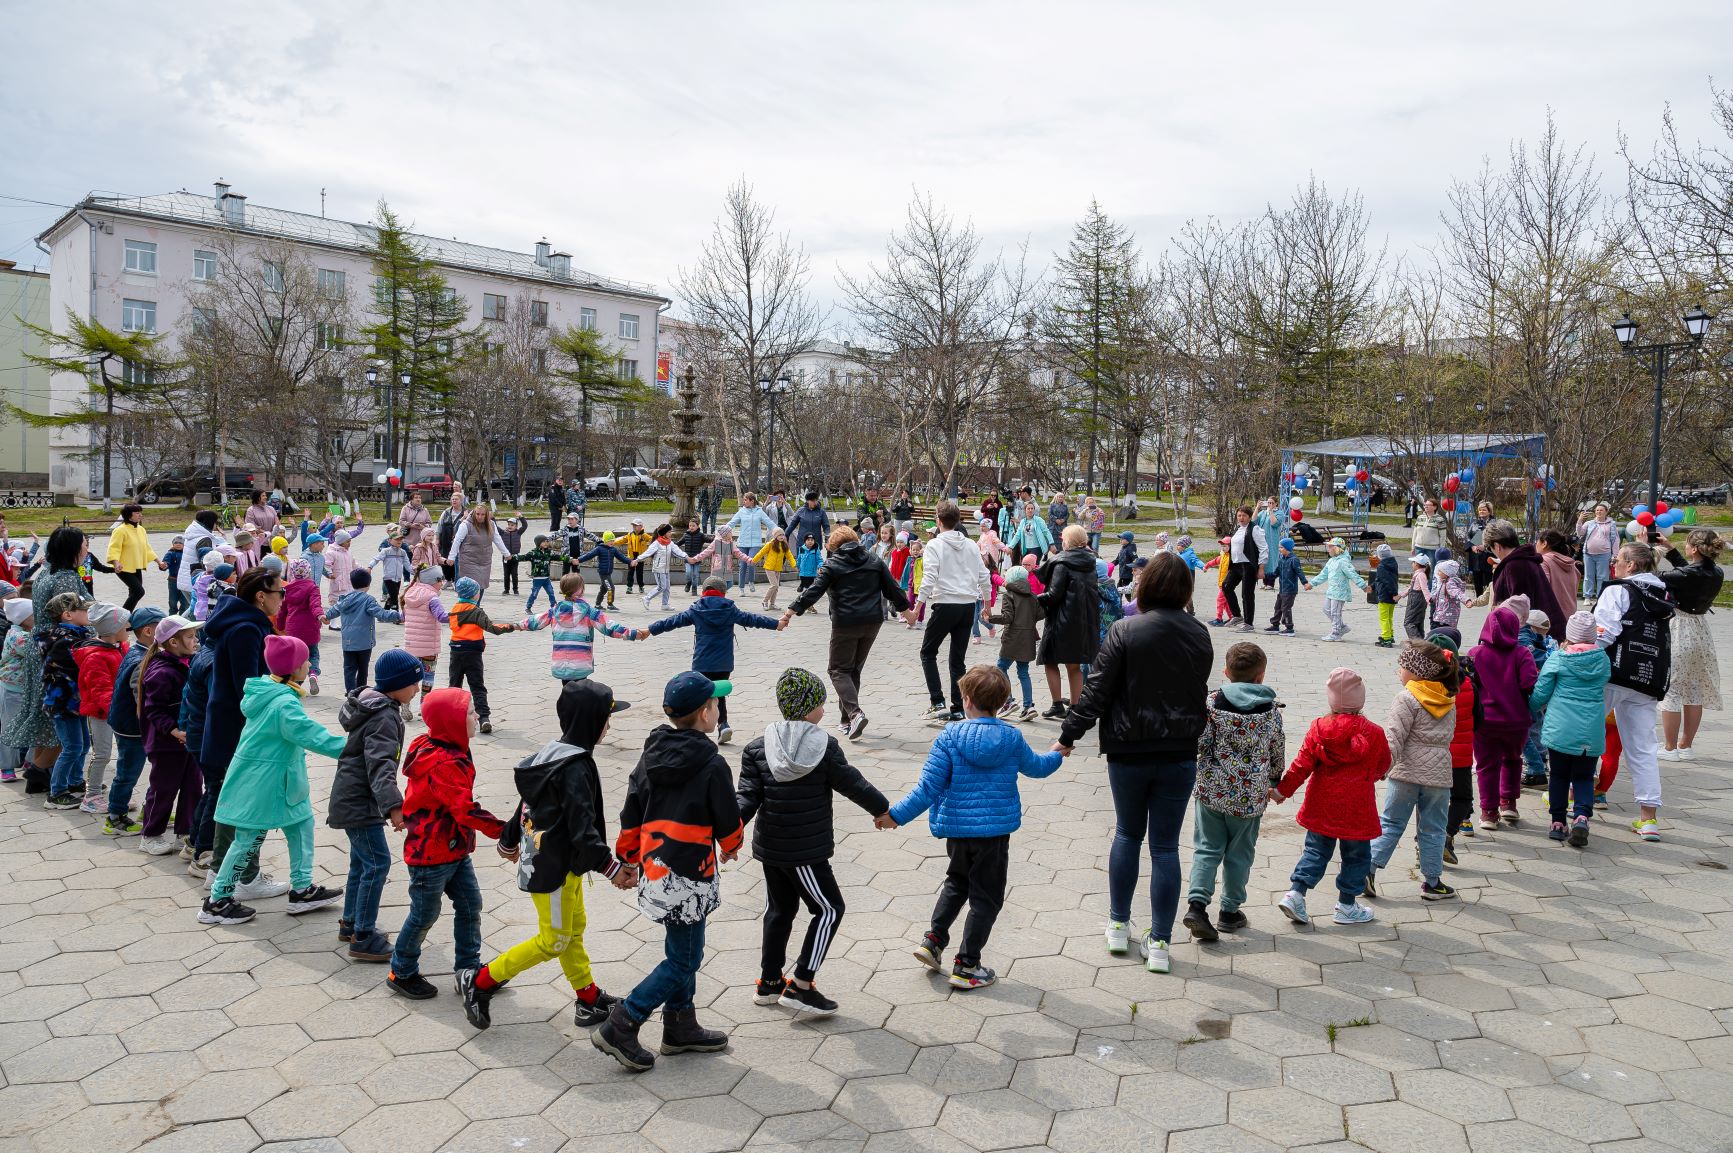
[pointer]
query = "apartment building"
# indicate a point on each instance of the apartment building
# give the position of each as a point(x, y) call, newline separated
point(23, 448)
point(131, 263)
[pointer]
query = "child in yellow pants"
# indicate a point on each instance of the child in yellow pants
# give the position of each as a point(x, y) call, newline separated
point(556, 837)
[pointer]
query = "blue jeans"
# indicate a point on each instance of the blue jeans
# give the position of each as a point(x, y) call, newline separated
point(427, 883)
point(369, 865)
point(1572, 773)
point(177, 600)
point(1402, 798)
point(128, 765)
point(1094, 542)
point(1533, 756)
point(1022, 680)
point(1149, 798)
point(1597, 569)
point(538, 586)
point(355, 662)
point(673, 982)
point(1315, 857)
point(693, 580)
point(68, 771)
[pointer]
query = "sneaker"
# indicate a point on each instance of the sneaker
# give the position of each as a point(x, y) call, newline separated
point(1600, 800)
point(1197, 920)
point(61, 801)
point(956, 715)
point(165, 843)
point(768, 992)
point(225, 912)
point(415, 986)
point(345, 930)
point(1666, 754)
point(1686, 754)
point(808, 1000)
point(1008, 709)
point(1029, 713)
point(310, 898)
point(928, 953)
point(1579, 834)
point(373, 949)
point(313, 684)
point(857, 726)
point(1272, 629)
point(937, 712)
point(724, 735)
point(1510, 815)
point(1557, 831)
point(1370, 888)
point(1055, 711)
point(121, 826)
point(1155, 955)
point(486, 725)
point(1467, 827)
point(971, 976)
point(1329, 637)
point(1287, 632)
point(1489, 820)
point(200, 865)
point(1231, 922)
point(475, 998)
point(1344, 631)
point(1118, 937)
point(261, 888)
point(1533, 780)
point(186, 852)
point(618, 1038)
point(588, 1013)
point(94, 803)
point(1450, 850)
point(1355, 914)
point(1293, 907)
point(1436, 891)
point(1647, 828)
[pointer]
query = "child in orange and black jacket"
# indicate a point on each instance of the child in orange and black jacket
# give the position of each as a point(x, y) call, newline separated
point(679, 810)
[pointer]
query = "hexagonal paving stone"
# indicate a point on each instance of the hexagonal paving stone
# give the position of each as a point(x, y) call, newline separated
point(868, 1054)
point(1107, 1129)
point(516, 1134)
point(1230, 1064)
point(418, 1077)
point(787, 1087)
point(935, 1023)
point(1337, 1079)
point(103, 1129)
point(1062, 1083)
point(884, 1104)
point(996, 1119)
point(1173, 1101)
point(221, 1096)
point(1398, 1127)
point(1452, 1095)
point(1026, 1035)
point(702, 1125)
point(1285, 1116)
point(962, 1068)
point(422, 1127)
point(1685, 1127)
point(1561, 1109)
point(1668, 1017)
point(62, 1059)
point(591, 1109)
point(142, 1077)
point(521, 1091)
point(302, 1114)
point(1219, 1139)
point(218, 1137)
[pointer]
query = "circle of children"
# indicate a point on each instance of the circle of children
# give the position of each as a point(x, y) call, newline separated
point(210, 694)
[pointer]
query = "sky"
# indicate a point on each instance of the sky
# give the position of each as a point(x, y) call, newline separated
point(614, 130)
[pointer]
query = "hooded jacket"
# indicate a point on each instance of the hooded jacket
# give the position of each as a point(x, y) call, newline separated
point(196, 698)
point(712, 618)
point(266, 786)
point(1420, 730)
point(1504, 673)
point(969, 780)
point(1520, 572)
point(56, 644)
point(303, 609)
point(1072, 635)
point(679, 806)
point(1149, 688)
point(953, 573)
point(1572, 689)
point(440, 813)
point(123, 705)
point(164, 691)
point(358, 609)
point(1462, 740)
point(1018, 611)
point(1561, 572)
point(236, 635)
point(1345, 756)
point(558, 827)
point(1241, 751)
point(787, 777)
point(857, 583)
point(1385, 581)
point(364, 789)
point(98, 664)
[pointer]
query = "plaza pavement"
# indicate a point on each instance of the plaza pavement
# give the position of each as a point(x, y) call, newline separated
point(1570, 1001)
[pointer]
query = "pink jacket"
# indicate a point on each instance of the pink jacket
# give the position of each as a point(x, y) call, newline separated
point(302, 612)
point(339, 563)
point(423, 614)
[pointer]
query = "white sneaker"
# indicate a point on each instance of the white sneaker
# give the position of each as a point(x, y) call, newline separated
point(186, 853)
point(1355, 914)
point(1118, 937)
point(96, 803)
point(937, 712)
point(1293, 907)
point(313, 685)
point(724, 735)
point(161, 845)
point(1155, 955)
point(1685, 754)
point(264, 885)
point(1329, 637)
point(1666, 754)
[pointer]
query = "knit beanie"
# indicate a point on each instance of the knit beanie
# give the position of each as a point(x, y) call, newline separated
point(284, 654)
point(429, 576)
point(1539, 621)
point(1518, 604)
point(21, 609)
point(1287, 542)
point(1183, 543)
point(107, 619)
point(1344, 691)
point(273, 564)
point(223, 571)
point(396, 669)
point(798, 692)
point(468, 590)
point(1448, 569)
point(7, 589)
point(1441, 555)
point(1420, 664)
point(1383, 551)
point(1579, 629)
point(1445, 637)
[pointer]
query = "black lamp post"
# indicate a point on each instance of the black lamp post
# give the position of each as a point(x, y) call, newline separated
point(1661, 356)
point(771, 391)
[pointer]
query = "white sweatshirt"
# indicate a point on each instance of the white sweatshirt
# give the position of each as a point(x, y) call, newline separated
point(953, 573)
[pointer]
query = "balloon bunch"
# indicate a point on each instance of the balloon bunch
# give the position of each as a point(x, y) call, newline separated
point(1663, 515)
point(391, 476)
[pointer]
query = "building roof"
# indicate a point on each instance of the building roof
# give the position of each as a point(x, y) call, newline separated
point(193, 208)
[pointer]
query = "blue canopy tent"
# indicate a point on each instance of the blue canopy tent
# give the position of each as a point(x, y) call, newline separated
point(1468, 452)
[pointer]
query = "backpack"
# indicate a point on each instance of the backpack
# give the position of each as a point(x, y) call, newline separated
point(1642, 655)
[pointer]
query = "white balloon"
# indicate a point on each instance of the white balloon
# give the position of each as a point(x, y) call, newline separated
point(1296, 503)
point(380, 479)
point(1636, 529)
point(1301, 468)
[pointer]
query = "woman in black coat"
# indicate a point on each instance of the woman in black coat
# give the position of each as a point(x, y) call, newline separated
point(1071, 602)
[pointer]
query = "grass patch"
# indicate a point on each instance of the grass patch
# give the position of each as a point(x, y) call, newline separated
point(1332, 1030)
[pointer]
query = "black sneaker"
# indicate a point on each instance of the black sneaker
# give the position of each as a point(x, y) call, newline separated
point(486, 725)
point(345, 931)
point(475, 998)
point(67, 800)
point(768, 992)
point(1054, 712)
point(1231, 922)
point(1272, 629)
point(1197, 920)
point(227, 911)
point(1438, 892)
point(808, 1000)
point(1579, 834)
point(1371, 887)
point(930, 953)
point(618, 1037)
point(1450, 850)
point(588, 1013)
point(310, 898)
point(415, 986)
point(971, 976)
point(373, 948)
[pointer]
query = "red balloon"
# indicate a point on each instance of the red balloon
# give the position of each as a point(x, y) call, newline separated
point(1645, 518)
point(1447, 505)
point(1661, 506)
point(393, 481)
point(1362, 476)
point(1452, 483)
point(1295, 514)
point(1539, 483)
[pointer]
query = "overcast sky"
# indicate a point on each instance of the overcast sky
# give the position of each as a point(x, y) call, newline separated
point(615, 131)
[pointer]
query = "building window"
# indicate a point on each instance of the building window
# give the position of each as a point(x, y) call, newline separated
point(492, 307)
point(379, 446)
point(539, 361)
point(204, 265)
point(381, 290)
point(138, 316)
point(273, 276)
point(339, 443)
point(587, 319)
point(330, 337)
point(628, 326)
point(539, 313)
point(134, 373)
point(333, 283)
point(435, 452)
point(628, 369)
point(141, 257)
point(202, 319)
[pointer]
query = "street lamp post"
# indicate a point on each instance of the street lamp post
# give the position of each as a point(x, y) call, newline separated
point(771, 391)
point(1661, 354)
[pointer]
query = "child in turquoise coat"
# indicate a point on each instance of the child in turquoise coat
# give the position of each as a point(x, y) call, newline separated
point(1570, 695)
point(266, 786)
point(1338, 578)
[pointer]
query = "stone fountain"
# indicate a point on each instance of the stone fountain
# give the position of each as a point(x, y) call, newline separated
point(685, 476)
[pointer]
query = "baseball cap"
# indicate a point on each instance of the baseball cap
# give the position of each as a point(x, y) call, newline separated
point(169, 626)
point(687, 692)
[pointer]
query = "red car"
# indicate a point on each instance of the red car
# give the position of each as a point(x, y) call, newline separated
point(438, 485)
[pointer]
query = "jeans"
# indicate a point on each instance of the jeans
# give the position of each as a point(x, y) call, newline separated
point(1571, 773)
point(948, 620)
point(246, 845)
point(1401, 799)
point(1225, 842)
point(369, 865)
point(692, 578)
point(1533, 755)
point(1597, 570)
point(1094, 542)
point(976, 877)
point(1149, 799)
point(1022, 680)
point(538, 586)
point(355, 662)
point(427, 884)
point(313, 659)
point(849, 646)
point(748, 571)
point(68, 771)
point(1315, 857)
point(177, 600)
point(674, 980)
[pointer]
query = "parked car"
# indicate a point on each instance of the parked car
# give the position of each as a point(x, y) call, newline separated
point(631, 481)
point(183, 484)
point(434, 485)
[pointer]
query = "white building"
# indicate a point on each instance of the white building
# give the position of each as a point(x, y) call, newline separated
point(23, 447)
point(130, 262)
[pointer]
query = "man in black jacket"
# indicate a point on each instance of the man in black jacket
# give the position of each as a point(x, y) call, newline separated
point(858, 584)
point(787, 777)
point(556, 836)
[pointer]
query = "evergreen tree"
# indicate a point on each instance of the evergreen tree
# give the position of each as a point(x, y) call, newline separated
point(590, 366)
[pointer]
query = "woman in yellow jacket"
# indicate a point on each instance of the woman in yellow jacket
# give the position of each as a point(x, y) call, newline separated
point(775, 558)
point(636, 542)
point(129, 553)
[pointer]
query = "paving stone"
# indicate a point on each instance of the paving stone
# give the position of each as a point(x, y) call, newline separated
point(1219, 1139)
point(797, 1087)
point(882, 1104)
point(1398, 1127)
point(104, 1129)
point(1686, 1127)
point(1561, 1109)
point(1455, 1096)
point(520, 1091)
point(214, 1137)
point(1284, 1116)
point(1100, 1130)
point(142, 1077)
point(996, 1119)
point(516, 1134)
point(1520, 1137)
point(318, 1111)
point(1494, 1063)
point(1230, 1065)
point(1337, 1079)
point(418, 1128)
point(1173, 1101)
point(866, 1054)
point(62, 1059)
point(702, 1125)
point(224, 1095)
point(1062, 1083)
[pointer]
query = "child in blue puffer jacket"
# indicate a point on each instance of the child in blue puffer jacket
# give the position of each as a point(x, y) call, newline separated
point(970, 783)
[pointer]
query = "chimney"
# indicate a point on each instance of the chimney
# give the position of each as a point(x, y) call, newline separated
point(561, 263)
point(222, 187)
point(233, 207)
point(543, 251)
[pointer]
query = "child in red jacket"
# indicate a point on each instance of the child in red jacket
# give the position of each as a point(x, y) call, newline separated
point(441, 818)
point(1345, 755)
point(98, 661)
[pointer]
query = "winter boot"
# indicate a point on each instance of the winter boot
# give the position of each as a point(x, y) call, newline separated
point(681, 1033)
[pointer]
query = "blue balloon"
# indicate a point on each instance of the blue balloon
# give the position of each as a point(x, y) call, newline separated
point(1352, 484)
point(1301, 483)
point(1551, 484)
point(1639, 510)
point(1466, 476)
point(1672, 517)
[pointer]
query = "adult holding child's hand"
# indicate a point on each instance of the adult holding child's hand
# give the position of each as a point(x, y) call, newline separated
point(1149, 689)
